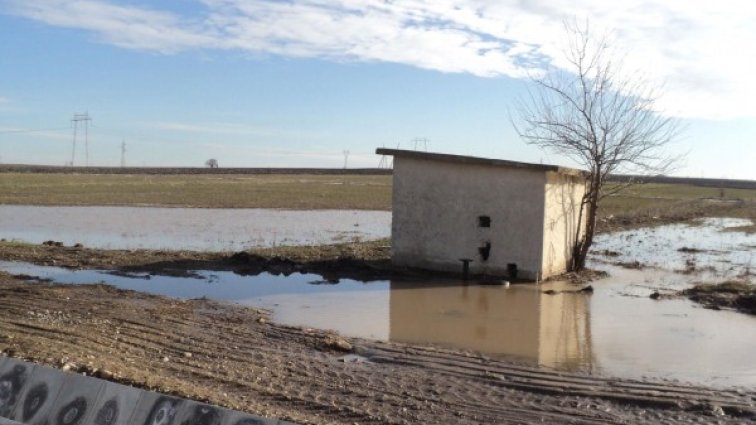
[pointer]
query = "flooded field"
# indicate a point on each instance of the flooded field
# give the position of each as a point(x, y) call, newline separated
point(708, 247)
point(615, 331)
point(198, 229)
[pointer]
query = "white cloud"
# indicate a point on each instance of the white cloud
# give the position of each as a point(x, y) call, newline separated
point(124, 26)
point(214, 128)
point(700, 50)
point(17, 132)
point(6, 104)
point(221, 128)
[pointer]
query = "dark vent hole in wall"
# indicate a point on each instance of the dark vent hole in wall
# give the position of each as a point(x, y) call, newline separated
point(484, 221)
point(512, 270)
point(485, 251)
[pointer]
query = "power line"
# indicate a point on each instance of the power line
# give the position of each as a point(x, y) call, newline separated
point(35, 130)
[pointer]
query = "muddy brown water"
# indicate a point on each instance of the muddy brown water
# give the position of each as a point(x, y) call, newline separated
point(615, 331)
point(197, 229)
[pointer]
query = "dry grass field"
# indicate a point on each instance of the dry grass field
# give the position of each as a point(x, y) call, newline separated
point(658, 203)
point(295, 191)
point(642, 204)
point(649, 195)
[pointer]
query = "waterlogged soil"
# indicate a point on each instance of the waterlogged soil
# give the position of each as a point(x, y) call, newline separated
point(234, 356)
point(712, 247)
point(361, 261)
point(717, 255)
point(736, 295)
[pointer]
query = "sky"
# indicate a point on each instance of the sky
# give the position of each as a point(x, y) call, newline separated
point(297, 83)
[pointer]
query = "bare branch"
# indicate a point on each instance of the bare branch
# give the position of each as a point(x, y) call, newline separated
point(600, 117)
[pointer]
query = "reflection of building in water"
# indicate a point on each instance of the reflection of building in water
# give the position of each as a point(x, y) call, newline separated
point(551, 330)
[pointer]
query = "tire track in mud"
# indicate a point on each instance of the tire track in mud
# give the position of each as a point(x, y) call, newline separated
point(229, 356)
point(642, 394)
point(492, 365)
point(146, 337)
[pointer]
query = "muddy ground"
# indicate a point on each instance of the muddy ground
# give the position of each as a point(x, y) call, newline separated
point(233, 356)
point(359, 261)
point(736, 295)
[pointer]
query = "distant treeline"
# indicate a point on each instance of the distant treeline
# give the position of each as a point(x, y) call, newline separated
point(695, 181)
point(20, 168)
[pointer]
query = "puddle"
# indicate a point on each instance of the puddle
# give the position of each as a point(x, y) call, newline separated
point(606, 333)
point(297, 299)
point(616, 331)
point(196, 229)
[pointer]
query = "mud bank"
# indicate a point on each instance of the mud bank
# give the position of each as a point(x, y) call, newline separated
point(234, 357)
point(735, 295)
point(361, 261)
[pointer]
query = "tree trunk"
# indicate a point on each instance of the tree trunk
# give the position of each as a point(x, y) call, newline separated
point(590, 228)
point(583, 246)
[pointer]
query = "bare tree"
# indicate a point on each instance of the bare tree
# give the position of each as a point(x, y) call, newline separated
point(599, 116)
point(211, 163)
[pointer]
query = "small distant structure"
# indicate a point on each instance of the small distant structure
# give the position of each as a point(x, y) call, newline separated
point(484, 216)
point(80, 122)
point(211, 163)
point(421, 143)
point(418, 143)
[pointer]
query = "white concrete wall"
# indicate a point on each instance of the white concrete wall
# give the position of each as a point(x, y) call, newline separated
point(563, 194)
point(436, 206)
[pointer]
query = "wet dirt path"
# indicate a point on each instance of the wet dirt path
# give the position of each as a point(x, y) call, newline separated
point(232, 356)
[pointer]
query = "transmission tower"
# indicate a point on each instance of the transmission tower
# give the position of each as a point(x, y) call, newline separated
point(346, 158)
point(123, 153)
point(81, 120)
point(385, 161)
point(421, 142)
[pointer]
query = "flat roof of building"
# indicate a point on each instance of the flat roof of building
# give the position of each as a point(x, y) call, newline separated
point(460, 159)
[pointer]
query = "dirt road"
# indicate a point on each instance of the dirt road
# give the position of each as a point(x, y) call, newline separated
point(235, 357)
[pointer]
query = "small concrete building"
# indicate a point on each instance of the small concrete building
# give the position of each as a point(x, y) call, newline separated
point(508, 218)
